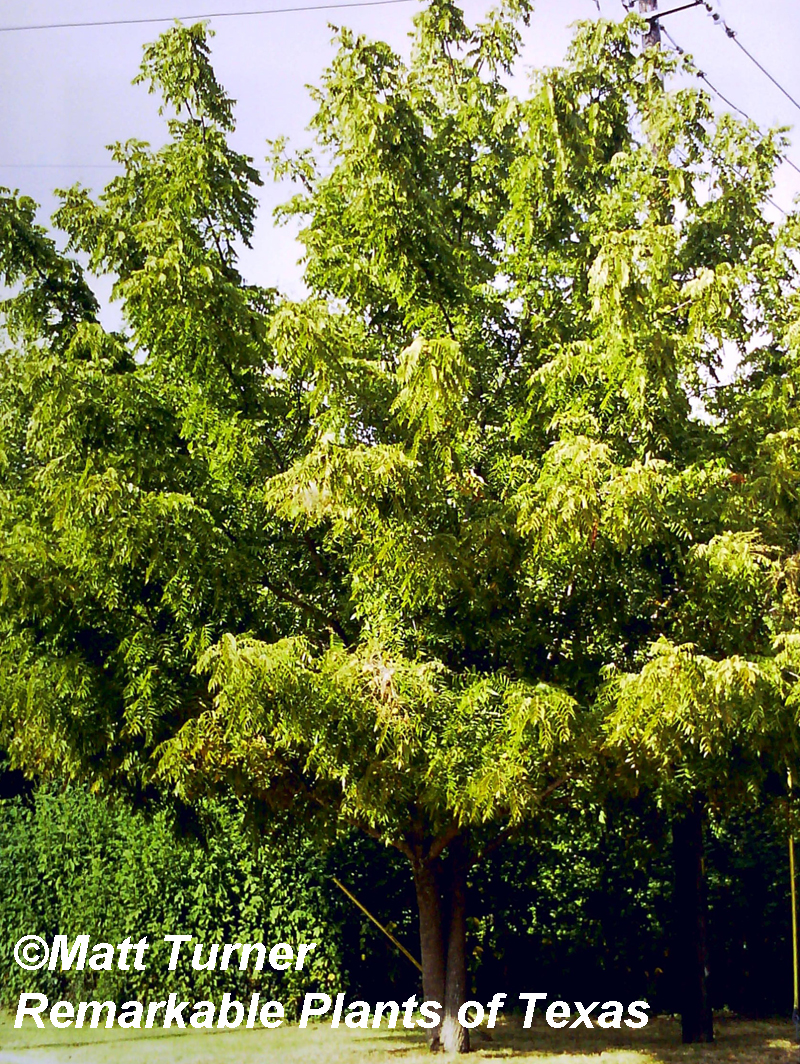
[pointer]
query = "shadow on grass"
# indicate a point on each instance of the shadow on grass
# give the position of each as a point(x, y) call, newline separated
point(737, 1042)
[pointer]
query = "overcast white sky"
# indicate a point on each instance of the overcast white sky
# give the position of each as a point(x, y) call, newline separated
point(67, 93)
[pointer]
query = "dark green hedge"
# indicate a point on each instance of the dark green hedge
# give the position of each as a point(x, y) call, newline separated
point(72, 864)
point(580, 908)
point(584, 908)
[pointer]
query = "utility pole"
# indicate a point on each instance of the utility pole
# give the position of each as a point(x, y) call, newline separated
point(652, 39)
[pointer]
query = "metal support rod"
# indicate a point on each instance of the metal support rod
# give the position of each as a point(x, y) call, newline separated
point(377, 923)
point(675, 10)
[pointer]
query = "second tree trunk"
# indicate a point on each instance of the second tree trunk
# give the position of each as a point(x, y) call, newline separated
point(691, 925)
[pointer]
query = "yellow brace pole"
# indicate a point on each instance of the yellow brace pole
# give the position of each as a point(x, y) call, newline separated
point(377, 923)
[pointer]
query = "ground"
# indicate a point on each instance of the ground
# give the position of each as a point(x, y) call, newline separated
point(738, 1041)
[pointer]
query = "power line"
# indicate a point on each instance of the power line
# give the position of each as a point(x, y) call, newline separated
point(213, 14)
point(732, 35)
point(704, 77)
point(382, 3)
point(701, 74)
point(763, 69)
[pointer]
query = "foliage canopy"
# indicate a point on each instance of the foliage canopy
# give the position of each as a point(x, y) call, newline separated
point(430, 545)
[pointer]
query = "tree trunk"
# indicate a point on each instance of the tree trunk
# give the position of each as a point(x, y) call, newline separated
point(455, 1037)
point(431, 939)
point(691, 926)
point(442, 902)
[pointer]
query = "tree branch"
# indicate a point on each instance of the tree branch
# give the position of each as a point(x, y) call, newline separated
point(307, 607)
point(510, 829)
point(438, 846)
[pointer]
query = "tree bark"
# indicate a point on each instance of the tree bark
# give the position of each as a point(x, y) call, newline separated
point(455, 1037)
point(691, 925)
point(441, 887)
point(431, 938)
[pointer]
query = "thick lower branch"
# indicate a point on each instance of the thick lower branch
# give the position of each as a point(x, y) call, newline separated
point(307, 607)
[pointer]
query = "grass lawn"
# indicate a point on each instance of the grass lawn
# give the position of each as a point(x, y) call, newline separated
point(739, 1041)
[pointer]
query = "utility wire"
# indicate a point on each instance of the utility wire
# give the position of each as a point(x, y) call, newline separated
point(700, 74)
point(383, 3)
point(734, 37)
point(763, 69)
point(212, 14)
point(627, 5)
point(704, 77)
